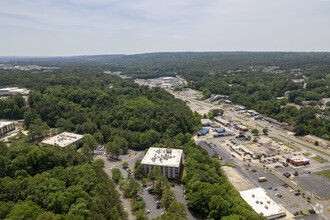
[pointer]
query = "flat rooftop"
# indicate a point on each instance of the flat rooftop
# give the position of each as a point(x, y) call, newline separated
point(299, 158)
point(163, 157)
point(261, 203)
point(64, 139)
point(5, 123)
point(221, 120)
point(206, 121)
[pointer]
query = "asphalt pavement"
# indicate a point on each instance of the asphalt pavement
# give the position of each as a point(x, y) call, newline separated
point(150, 200)
point(288, 200)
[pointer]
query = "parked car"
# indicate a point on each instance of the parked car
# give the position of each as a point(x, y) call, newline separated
point(147, 211)
point(287, 175)
point(158, 206)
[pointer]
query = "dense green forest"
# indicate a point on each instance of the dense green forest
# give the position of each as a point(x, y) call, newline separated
point(208, 189)
point(240, 75)
point(54, 183)
point(50, 182)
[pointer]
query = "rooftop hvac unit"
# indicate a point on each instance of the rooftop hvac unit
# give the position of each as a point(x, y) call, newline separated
point(253, 195)
point(261, 202)
point(268, 202)
point(266, 207)
point(257, 202)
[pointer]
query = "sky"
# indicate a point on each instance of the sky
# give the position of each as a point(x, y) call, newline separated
point(88, 27)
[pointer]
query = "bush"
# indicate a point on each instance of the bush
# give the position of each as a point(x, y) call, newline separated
point(312, 211)
point(253, 170)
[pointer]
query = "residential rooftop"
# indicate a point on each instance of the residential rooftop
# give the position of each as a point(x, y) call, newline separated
point(163, 157)
point(64, 139)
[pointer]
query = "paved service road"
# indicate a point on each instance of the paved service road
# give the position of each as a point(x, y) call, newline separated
point(179, 195)
point(150, 200)
point(131, 157)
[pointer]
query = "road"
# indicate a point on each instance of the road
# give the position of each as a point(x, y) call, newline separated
point(288, 200)
point(203, 108)
point(280, 134)
point(109, 164)
point(150, 200)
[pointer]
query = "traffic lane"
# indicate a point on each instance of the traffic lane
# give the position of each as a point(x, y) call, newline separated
point(150, 201)
point(288, 200)
point(214, 150)
point(309, 217)
point(316, 185)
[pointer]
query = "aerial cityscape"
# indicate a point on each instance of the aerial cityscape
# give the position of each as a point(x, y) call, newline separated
point(165, 110)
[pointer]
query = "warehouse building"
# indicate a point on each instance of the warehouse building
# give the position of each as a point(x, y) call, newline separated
point(261, 203)
point(222, 121)
point(203, 132)
point(241, 127)
point(64, 139)
point(168, 160)
point(6, 127)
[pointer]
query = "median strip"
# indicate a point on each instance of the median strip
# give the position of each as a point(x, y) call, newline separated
point(312, 148)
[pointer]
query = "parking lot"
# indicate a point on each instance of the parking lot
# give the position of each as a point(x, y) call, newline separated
point(180, 197)
point(288, 200)
point(150, 200)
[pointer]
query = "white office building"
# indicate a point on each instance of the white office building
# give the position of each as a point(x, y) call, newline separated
point(168, 160)
point(64, 139)
point(6, 127)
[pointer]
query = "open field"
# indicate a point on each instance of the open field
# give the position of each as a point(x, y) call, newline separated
point(325, 173)
point(239, 182)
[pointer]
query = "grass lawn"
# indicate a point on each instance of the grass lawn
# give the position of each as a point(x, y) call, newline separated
point(325, 173)
point(320, 159)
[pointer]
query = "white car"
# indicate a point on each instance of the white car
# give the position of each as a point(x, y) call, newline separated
point(291, 191)
point(147, 211)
